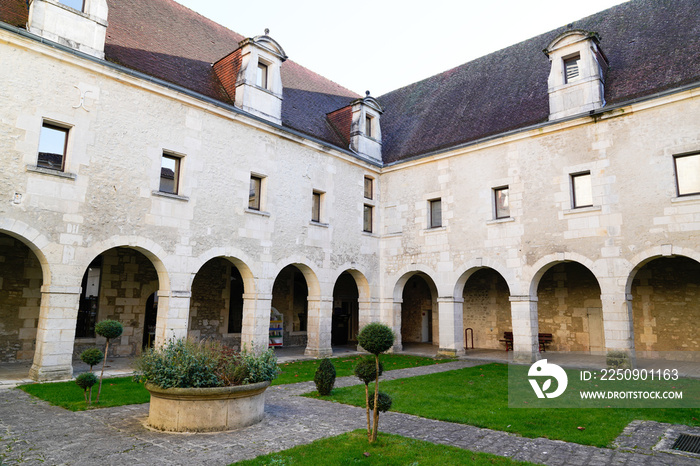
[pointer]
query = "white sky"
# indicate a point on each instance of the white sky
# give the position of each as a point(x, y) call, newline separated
point(382, 45)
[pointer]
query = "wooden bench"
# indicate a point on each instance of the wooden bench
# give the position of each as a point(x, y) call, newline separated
point(508, 340)
point(545, 339)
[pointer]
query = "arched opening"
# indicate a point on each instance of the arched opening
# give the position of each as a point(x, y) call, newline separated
point(486, 308)
point(118, 284)
point(216, 306)
point(290, 298)
point(666, 307)
point(570, 310)
point(20, 300)
point(419, 313)
point(346, 311)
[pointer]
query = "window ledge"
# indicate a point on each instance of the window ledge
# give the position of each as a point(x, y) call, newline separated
point(496, 221)
point(436, 229)
point(581, 210)
point(170, 196)
point(370, 234)
point(686, 198)
point(48, 171)
point(318, 224)
point(393, 234)
point(262, 213)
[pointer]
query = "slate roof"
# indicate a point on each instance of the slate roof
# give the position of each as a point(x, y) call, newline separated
point(652, 46)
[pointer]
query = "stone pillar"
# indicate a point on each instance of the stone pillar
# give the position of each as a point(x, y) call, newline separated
point(618, 324)
point(55, 335)
point(390, 314)
point(523, 311)
point(318, 327)
point(450, 327)
point(173, 315)
point(255, 333)
point(364, 313)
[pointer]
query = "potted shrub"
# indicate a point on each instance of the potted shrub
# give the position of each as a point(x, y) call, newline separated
point(205, 387)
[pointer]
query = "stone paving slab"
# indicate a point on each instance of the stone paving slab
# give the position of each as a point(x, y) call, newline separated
point(33, 432)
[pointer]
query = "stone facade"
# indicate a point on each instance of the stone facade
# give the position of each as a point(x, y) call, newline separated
point(618, 274)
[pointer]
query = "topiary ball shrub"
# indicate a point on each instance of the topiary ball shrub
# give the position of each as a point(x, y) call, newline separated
point(109, 329)
point(325, 377)
point(86, 380)
point(383, 402)
point(366, 370)
point(376, 338)
point(92, 356)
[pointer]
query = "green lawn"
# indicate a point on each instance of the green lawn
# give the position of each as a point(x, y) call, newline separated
point(353, 448)
point(479, 396)
point(124, 391)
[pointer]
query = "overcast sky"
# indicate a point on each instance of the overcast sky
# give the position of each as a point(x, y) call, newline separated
point(382, 45)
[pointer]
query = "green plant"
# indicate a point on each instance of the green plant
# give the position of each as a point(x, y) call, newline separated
point(108, 329)
point(383, 402)
point(375, 338)
point(366, 370)
point(86, 381)
point(260, 367)
point(92, 356)
point(325, 377)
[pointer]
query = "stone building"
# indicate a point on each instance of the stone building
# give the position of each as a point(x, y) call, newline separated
point(162, 170)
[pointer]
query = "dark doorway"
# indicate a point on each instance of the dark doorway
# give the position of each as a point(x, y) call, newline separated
point(149, 325)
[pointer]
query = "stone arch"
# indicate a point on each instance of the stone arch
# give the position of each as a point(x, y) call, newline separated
point(363, 286)
point(31, 238)
point(306, 267)
point(466, 270)
point(545, 263)
point(237, 257)
point(648, 255)
point(406, 273)
point(411, 315)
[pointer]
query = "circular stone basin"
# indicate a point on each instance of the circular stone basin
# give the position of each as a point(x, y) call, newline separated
point(206, 409)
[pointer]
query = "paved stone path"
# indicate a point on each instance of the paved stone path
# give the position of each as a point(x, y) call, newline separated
point(33, 432)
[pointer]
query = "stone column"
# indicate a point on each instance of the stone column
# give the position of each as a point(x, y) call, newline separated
point(618, 324)
point(390, 314)
point(523, 310)
point(255, 332)
point(173, 315)
point(318, 327)
point(55, 335)
point(450, 327)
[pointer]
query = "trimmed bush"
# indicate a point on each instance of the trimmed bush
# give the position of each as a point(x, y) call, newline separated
point(109, 329)
point(376, 338)
point(383, 402)
point(366, 370)
point(92, 356)
point(324, 378)
point(86, 382)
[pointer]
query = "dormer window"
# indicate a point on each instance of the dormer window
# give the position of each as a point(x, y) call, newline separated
point(368, 126)
point(261, 77)
point(571, 68)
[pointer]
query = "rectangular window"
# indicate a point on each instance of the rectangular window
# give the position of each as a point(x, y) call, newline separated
point(368, 127)
point(688, 174)
point(53, 141)
point(581, 189)
point(435, 213)
point(254, 193)
point(169, 174)
point(369, 188)
point(76, 4)
point(316, 207)
point(261, 79)
point(367, 219)
point(501, 202)
point(571, 68)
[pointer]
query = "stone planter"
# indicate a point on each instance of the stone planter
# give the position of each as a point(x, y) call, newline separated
point(206, 409)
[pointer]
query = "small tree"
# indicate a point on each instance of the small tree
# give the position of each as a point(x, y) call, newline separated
point(324, 378)
point(108, 329)
point(92, 357)
point(86, 381)
point(375, 338)
point(366, 370)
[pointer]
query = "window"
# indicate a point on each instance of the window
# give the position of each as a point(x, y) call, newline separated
point(435, 213)
point(367, 219)
point(688, 174)
point(369, 188)
point(76, 4)
point(501, 202)
point(316, 207)
point(368, 127)
point(169, 173)
point(261, 78)
point(571, 68)
point(581, 190)
point(255, 192)
point(53, 141)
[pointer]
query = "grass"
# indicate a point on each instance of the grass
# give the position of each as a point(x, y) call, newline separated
point(478, 396)
point(116, 391)
point(353, 448)
point(120, 391)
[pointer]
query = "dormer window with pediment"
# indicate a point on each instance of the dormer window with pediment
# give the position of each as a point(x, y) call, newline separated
point(365, 132)
point(577, 77)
